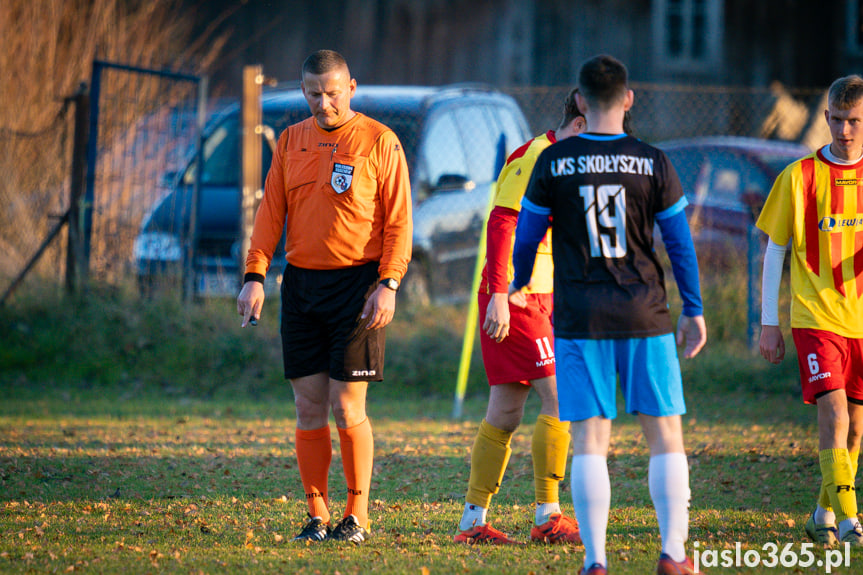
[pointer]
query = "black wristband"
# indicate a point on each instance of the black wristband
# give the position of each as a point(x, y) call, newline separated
point(249, 277)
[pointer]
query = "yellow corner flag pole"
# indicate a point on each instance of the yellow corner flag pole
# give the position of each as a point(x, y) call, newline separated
point(472, 313)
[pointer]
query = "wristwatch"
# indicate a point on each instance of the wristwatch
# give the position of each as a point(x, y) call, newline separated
point(390, 283)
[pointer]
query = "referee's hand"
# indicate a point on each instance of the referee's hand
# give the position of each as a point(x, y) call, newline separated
point(250, 301)
point(380, 307)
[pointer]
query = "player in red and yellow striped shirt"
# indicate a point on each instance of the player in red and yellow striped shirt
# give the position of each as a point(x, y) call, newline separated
point(816, 208)
point(518, 354)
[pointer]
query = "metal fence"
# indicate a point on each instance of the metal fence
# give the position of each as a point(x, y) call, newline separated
point(35, 163)
point(144, 126)
point(665, 112)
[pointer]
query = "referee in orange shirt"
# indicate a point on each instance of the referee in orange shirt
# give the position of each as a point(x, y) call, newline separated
point(339, 186)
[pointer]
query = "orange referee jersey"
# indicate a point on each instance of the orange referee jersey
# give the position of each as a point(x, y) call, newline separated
point(818, 206)
point(345, 195)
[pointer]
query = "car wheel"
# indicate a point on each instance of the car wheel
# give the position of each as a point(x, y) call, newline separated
point(415, 285)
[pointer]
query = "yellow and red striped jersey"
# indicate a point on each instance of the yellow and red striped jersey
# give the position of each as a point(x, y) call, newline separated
point(817, 205)
point(511, 185)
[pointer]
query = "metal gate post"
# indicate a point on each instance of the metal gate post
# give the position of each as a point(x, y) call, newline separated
point(190, 284)
point(86, 206)
point(75, 255)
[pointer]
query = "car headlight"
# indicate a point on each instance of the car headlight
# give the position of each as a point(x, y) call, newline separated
point(158, 246)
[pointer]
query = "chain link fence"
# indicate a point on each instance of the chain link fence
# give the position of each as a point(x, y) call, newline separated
point(34, 173)
point(146, 128)
point(666, 112)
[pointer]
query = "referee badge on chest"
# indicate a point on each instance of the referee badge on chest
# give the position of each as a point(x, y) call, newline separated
point(341, 177)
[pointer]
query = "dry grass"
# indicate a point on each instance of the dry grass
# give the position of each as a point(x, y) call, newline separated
point(46, 51)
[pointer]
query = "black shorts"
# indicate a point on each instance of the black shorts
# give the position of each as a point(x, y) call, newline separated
point(321, 326)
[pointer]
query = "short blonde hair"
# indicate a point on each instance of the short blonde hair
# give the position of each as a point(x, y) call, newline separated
point(845, 92)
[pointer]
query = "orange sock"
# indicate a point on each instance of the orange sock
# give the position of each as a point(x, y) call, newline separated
point(357, 458)
point(314, 453)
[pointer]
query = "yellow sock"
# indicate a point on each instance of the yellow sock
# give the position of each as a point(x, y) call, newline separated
point(549, 447)
point(487, 463)
point(823, 496)
point(839, 482)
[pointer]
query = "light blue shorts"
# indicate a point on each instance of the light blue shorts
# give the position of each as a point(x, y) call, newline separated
point(649, 371)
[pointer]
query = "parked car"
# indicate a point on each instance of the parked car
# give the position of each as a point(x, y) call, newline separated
point(726, 180)
point(455, 138)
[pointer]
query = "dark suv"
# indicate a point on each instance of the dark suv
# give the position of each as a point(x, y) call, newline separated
point(455, 138)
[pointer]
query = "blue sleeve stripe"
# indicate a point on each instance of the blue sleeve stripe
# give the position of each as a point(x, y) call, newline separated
point(529, 232)
point(531, 207)
point(684, 263)
point(675, 209)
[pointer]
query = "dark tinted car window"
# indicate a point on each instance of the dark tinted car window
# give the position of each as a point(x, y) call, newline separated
point(478, 128)
point(728, 174)
point(443, 153)
point(220, 151)
point(406, 126)
point(719, 177)
point(512, 130)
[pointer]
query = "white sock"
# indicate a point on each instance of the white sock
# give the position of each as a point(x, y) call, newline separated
point(668, 480)
point(545, 510)
point(824, 516)
point(847, 525)
point(591, 497)
point(472, 516)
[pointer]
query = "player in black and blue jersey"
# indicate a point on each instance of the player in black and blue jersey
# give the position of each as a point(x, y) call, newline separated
point(603, 192)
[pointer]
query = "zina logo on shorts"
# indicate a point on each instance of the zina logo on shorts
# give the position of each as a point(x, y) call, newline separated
point(363, 372)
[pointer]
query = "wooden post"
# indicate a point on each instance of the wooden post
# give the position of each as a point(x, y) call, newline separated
point(251, 191)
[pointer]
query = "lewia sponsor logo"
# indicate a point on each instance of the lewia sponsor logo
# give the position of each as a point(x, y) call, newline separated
point(830, 223)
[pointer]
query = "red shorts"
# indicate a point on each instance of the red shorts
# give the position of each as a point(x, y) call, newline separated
point(528, 351)
point(827, 362)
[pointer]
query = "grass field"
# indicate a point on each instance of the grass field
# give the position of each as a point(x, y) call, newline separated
point(158, 438)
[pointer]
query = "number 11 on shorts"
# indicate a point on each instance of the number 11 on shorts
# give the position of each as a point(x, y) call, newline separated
point(544, 352)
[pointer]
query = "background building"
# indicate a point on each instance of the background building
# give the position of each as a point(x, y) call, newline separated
point(799, 43)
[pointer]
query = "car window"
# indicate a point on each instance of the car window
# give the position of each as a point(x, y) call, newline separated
point(513, 129)
point(480, 132)
point(718, 177)
point(442, 150)
point(406, 125)
point(728, 175)
point(221, 148)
